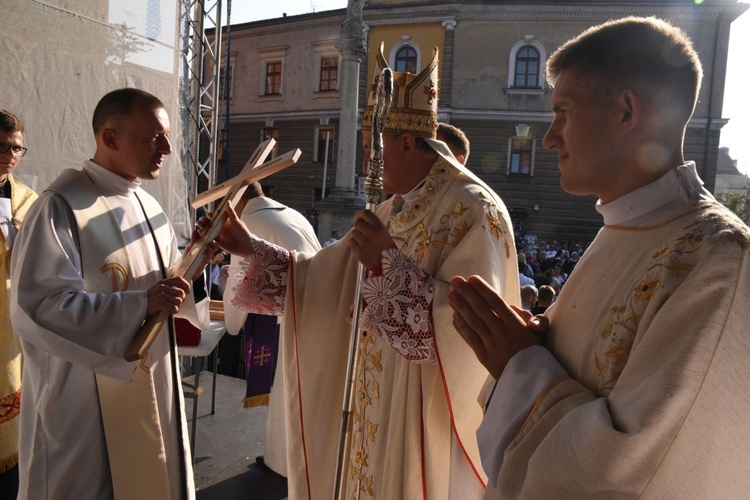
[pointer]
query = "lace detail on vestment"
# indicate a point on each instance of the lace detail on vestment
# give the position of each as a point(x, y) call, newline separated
point(398, 307)
point(263, 280)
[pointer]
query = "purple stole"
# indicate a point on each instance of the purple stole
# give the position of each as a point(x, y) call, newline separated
point(261, 344)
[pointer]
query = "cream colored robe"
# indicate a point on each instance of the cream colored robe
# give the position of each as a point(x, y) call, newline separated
point(653, 329)
point(10, 346)
point(70, 335)
point(414, 422)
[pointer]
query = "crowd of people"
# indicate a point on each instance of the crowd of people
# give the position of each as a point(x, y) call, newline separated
point(610, 369)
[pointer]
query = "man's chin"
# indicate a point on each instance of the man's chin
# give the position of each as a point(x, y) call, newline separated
point(152, 175)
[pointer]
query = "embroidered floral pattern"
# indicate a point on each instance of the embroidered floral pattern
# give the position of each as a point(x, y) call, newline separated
point(263, 280)
point(669, 265)
point(398, 307)
point(364, 430)
point(453, 226)
point(10, 405)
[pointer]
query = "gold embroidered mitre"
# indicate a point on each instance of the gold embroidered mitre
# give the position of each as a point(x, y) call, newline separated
point(415, 99)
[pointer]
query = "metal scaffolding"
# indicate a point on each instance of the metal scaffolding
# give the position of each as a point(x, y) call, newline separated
point(200, 95)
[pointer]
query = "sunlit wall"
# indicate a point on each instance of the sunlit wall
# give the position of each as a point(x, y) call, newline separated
point(61, 56)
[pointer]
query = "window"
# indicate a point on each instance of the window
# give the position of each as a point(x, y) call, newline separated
point(273, 78)
point(319, 146)
point(521, 156)
point(527, 68)
point(329, 73)
point(271, 133)
point(325, 64)
point(405, 55)
point(406, 60)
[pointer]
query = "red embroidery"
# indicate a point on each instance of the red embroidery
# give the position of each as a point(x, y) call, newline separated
point(10, 406)
point(263, 282)
point(399, 307)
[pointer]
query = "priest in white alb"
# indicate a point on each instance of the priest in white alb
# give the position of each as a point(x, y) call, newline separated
point(90, 265)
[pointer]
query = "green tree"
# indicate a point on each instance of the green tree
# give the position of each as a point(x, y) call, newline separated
point(739, 203)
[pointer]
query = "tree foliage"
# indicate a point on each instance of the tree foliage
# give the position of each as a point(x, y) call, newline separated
point(739, 203)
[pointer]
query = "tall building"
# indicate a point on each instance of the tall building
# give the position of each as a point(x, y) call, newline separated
point(284, 84)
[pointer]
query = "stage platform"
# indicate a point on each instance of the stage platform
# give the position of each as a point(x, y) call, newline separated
point(227, 443)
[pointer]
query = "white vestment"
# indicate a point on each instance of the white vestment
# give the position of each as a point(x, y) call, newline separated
point(287, 228)
point(70, 336)
point(643, 390)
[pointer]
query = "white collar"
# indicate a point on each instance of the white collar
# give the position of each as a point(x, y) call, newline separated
point(679, 188)
point(109, 182)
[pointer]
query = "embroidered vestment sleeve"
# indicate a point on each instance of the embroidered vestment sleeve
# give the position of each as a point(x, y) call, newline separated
point(263, 281)
point(399, 307)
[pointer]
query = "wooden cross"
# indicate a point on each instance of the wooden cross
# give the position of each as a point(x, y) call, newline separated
point(231, 190)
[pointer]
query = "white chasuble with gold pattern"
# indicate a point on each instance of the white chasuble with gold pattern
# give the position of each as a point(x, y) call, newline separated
point(415, 410)
point(652, 329)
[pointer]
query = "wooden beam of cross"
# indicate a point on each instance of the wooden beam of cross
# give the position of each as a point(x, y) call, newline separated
point(231, 191)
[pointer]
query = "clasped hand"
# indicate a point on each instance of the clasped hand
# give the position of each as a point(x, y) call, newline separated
point(167, 295)
point(368, 238)
point(494, 329)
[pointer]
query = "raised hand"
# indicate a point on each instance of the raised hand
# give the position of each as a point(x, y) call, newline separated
point(234, 236)
point(494, 329)
point(368, 238)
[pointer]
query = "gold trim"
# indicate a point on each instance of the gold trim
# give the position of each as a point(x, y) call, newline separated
point(114, 268)
point(259, 400)
point(8, 463)
point(540, 399)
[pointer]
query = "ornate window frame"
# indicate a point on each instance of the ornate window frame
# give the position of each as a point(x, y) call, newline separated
point(405, 42)
point(527, 41)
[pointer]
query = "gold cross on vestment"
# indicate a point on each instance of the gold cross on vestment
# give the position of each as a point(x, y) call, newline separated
point(263, 357)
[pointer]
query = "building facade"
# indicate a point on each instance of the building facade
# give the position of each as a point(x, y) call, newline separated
point(284, 84)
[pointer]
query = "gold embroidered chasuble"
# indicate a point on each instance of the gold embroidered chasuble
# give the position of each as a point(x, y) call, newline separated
point(414, 422)
point(657, 347)
point(10, 347)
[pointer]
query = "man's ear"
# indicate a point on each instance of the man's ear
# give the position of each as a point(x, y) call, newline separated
point(109, 138)
point(630, 109)
point(407, 143)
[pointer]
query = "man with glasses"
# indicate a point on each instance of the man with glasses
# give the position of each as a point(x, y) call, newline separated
point(15, 200)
